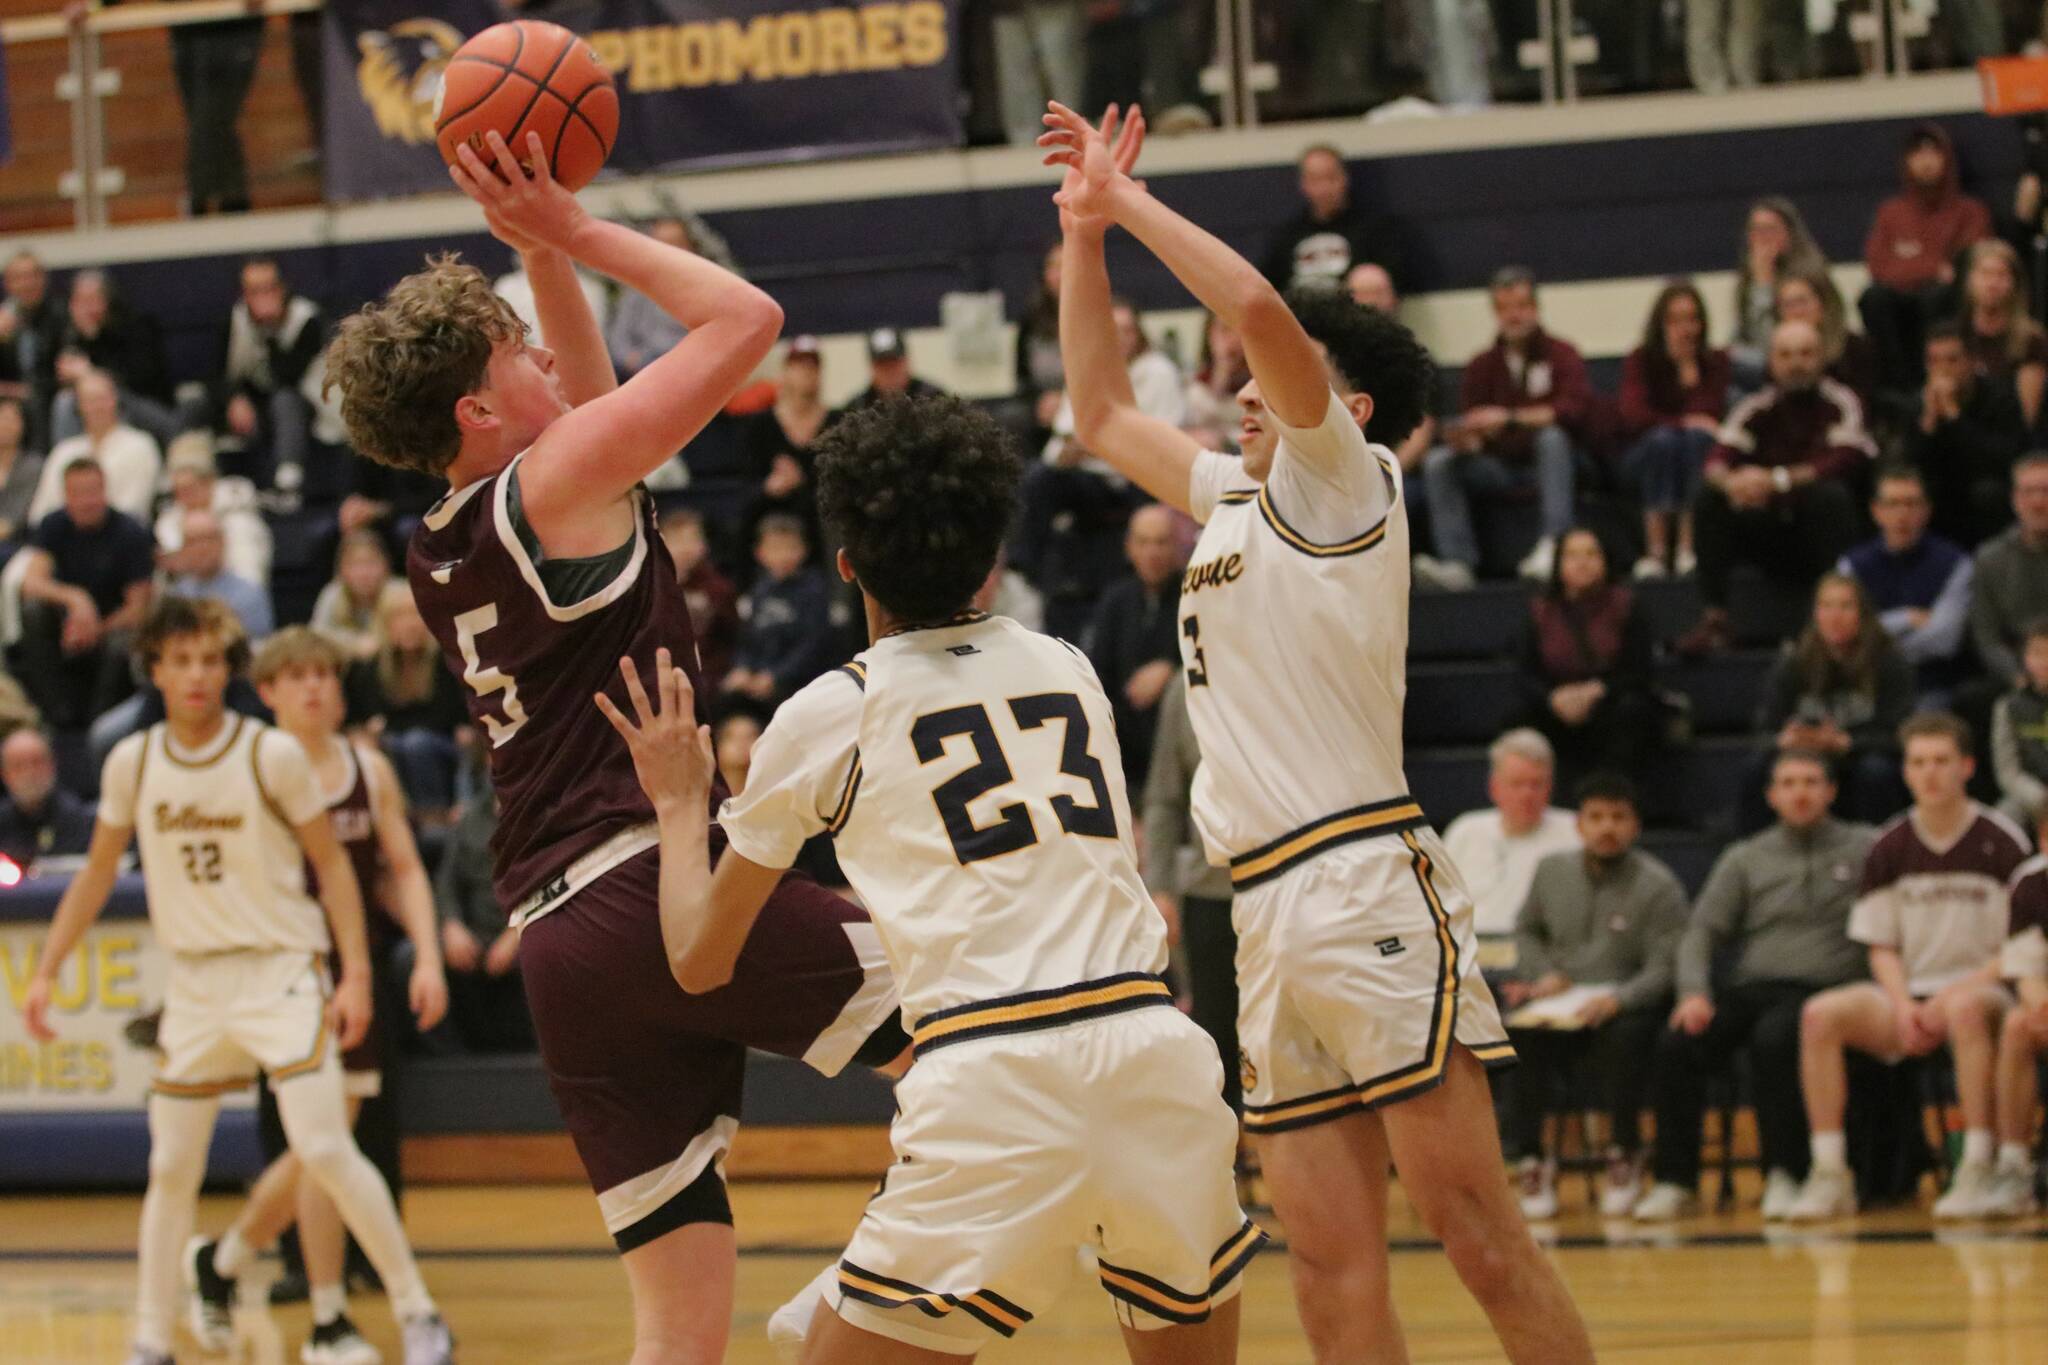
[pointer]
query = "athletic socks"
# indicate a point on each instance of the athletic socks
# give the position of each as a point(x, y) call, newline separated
point(1978, 1146)
point(330, 1301)
point(2015, 1156)
point(1830, 1151)
point(231, 1254)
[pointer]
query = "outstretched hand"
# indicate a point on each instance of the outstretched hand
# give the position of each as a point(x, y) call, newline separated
point(672, 754)
point(526, 207)
point(1097, 160)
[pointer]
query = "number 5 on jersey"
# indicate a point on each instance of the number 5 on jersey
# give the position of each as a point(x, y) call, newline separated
point(1013, 828)
point(486, 682)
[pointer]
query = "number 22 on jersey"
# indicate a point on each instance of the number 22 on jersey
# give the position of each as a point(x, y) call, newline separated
point(1013, 828)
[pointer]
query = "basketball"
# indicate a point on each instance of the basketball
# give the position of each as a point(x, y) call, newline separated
point(530, 77)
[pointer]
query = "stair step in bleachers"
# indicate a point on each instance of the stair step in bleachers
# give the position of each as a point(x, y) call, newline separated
point(1689, 855)
point(1472, 701)
point(1487, 621)
point(1695, 788)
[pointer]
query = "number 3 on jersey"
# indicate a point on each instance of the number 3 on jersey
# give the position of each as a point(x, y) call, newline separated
point(1198, 667)
point(487, 681)
point(1013, 828)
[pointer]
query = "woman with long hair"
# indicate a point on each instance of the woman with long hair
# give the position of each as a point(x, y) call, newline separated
point(1775, 239)
point(346, 610)
point(1213, 413)
point(2003, 338)
point(1674, 392)
point(1040, 373)
point(405, 699)
point(1810, 296)
point(1585, 666)
point(1841, 689)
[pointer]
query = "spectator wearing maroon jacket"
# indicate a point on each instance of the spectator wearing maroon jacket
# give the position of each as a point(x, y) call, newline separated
point(1810, 296)
point(714, 602)
point(1522, 399)
point(1781, 484)
point(1911, 251)
point(1674, 390)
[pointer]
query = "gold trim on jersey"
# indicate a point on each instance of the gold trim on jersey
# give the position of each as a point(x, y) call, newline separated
point(1270, 860)
point(1035, 1010)
point(856, 670)
point(1162, 1300)
point(234, 733)
point(1236, 496)
point(847, 794)
point(1365, 540)
point(263, 790)
point(885, 1291)
point(198, 1090)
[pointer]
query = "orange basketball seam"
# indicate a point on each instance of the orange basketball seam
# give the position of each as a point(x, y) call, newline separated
point(519, 34)
point(542, 89)
point(576, 111)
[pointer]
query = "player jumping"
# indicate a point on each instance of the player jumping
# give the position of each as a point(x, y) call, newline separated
point(228, 815)
point(537, 573)
point(298, 674)
point(1365, 1026)
point(967, 769)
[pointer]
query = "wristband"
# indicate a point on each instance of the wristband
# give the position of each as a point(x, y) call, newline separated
point(1781, 479)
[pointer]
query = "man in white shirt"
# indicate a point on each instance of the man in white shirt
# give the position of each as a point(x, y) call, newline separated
point(127, 455)
point(1497, 848)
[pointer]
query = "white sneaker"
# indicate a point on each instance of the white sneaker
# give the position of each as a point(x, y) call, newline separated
point(1664, 1203)
point(1827, 1193)
point(1781, 1192)
point(210, 1298)
point(1538, 1182)
point(1969, 1192)
point(1539, 561)
point(428, 1341)
point(1648, 567)
point(1622, 1187)
point(2012, 1193)
point(1684, 563)
point(1441, 575)
point(338, 1343)
point(791, 1323)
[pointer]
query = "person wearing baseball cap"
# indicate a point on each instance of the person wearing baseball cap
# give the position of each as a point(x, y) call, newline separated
point(889, 372)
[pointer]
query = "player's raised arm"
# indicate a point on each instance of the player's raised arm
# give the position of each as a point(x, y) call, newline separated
point(595, 454)
point(1283, 359)
point(705, 920)
point(79, 906)
point(569, 326)
point(1107, 420)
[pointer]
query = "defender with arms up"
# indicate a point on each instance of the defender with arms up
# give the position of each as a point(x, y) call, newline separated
point(538, 571)
point(968, 771)
point(228, 815)
point(1364, 1023)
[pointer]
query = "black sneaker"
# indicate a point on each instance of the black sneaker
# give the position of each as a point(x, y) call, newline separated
point(211, 1311)
point(290, 1287)
point(338, 1343)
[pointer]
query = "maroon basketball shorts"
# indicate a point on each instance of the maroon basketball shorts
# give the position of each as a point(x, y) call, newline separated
point(647, 1076)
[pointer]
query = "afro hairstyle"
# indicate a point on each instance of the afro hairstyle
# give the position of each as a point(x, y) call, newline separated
point(920, 493)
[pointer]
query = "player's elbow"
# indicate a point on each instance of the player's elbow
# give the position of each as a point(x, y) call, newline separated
point(762, 317)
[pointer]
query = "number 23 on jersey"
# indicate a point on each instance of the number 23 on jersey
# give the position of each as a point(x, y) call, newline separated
point(1013, 828)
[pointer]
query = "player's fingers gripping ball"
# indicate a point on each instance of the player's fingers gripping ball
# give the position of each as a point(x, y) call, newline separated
point(530, 77)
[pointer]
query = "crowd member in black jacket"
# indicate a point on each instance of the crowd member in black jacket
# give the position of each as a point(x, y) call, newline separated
point(1585, 675)
point(1134, 637)
point(1331, 234)
point(775, 445)
point(1841, 690)
point(31, 328)
point(39, 818)
point(1967, 435)
point(257, 400)
point(101, 332)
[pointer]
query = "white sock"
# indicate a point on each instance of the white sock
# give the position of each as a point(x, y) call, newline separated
point(315, 1115)
point(2015, 1156)
point(1830, 1151)
point(231, 1254)
point(180, 1130)
point(330, 1301)
point(1978, 1145)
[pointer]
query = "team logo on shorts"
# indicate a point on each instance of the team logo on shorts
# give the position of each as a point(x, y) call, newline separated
point(1247, 1074)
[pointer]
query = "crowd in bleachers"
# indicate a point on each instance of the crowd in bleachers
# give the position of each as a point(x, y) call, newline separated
point(1739, 575)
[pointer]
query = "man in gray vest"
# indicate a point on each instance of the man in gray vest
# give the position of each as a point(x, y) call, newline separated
point(1774, 916)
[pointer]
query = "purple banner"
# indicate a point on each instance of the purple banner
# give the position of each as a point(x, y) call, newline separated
point(701, 82)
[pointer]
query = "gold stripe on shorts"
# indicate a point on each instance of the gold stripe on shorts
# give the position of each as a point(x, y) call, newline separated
point(1262, 864)
point(1035, 1010)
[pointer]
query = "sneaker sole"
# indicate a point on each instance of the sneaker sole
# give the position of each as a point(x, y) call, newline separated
point(210, 1337)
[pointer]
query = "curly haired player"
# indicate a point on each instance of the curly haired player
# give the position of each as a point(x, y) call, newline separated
point(967, 769)
point(537, 573)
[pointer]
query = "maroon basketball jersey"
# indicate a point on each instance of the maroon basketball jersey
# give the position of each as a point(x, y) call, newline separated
point(563, 777)
point(355, 829)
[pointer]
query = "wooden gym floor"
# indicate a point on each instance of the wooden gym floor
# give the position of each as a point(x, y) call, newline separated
point(524, 1273)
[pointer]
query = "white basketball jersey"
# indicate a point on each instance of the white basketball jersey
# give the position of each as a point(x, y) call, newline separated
point(971, 777)
point(221, 865)
point(1294, 630)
